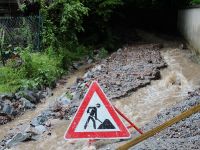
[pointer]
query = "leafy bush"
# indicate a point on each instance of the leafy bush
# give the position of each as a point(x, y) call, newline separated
point(103, 53)
point(195, 2)
point(10, 79)
point(40, 68)
point(37, 71)
point(62, 21)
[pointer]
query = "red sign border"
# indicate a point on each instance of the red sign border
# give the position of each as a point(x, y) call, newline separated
point(71, 134)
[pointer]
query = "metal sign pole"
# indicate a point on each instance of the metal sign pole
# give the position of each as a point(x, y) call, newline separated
point(131, 123)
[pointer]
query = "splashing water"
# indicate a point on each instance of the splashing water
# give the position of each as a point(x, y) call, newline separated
point(181, 76)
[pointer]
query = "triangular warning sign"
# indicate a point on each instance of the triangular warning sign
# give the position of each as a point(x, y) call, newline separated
point(96, 118)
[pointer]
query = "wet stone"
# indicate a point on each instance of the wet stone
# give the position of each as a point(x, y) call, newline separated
point(19, 137)
point(27, 104)
point(40, 129)
point(40, 120)
point(7, 109)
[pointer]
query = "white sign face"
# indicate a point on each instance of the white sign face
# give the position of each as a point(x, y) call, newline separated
point(96, 118)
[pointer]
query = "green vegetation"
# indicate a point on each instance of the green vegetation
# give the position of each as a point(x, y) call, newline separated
point(37, 71)
point(103, 53)
point(195, 2)
point(71, 29)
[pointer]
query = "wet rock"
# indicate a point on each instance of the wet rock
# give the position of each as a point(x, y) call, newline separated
point(1, 105)
point(40, 120)
point(7, 96)
point(46, 113)
point(156, 74)
point(4, 119)
point(49, 92)
point(19, 137)
point(40, 129)
point(7, 109)
point(41, 95)
point(49, 134)
point(63, 100)
point(48, 124)
point(76, 96)
point(27, 104)
point(182, 46)
point(125, 70)
point(31, 96)
point(89, 61)
point(79, 80)
point(17, 96)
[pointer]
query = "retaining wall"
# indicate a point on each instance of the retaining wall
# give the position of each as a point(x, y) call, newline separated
point(189, 26)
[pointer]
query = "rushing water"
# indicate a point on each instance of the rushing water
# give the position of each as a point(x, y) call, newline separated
point(181, 75)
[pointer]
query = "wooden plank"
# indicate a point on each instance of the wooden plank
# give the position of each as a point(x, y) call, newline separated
point(161, 127)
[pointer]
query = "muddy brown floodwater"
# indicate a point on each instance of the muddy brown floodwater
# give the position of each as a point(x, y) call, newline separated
point(181, 75)
point(61, 88)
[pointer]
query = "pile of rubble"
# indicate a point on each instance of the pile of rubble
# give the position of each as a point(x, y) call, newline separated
point(125, 70)
point(13, 105)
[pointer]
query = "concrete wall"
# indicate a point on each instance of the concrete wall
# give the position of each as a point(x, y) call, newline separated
point(189, 26)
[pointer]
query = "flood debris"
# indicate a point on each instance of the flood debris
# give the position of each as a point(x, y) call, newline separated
point(123, 71)
point(13, 105)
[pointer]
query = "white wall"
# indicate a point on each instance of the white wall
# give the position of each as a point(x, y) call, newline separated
point(189, 26)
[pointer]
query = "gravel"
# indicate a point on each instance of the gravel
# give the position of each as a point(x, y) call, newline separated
point(182, 135)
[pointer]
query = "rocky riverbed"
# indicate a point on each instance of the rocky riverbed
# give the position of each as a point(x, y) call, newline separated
point(136, 66)
point(124, 71)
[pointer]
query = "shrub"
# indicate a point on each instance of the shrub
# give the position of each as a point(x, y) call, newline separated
point(37, 71)
point(195, 2)
point(41, 69)
point(10, 79)
point(103, 53)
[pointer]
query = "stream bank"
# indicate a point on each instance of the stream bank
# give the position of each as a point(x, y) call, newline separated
point(173, 87)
